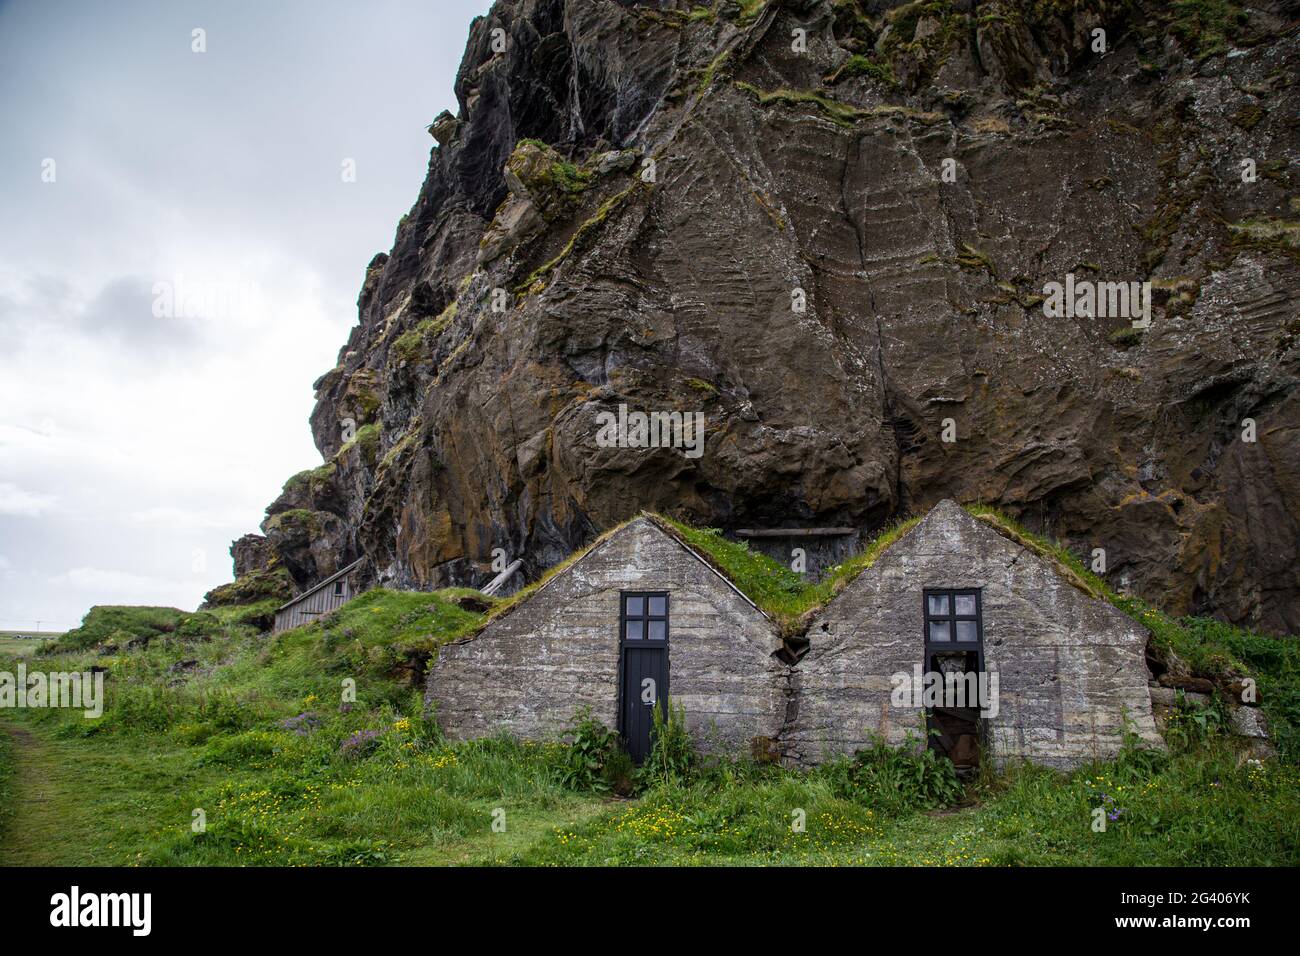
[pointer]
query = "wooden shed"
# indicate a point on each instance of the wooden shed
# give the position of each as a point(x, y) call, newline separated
point(335, 591)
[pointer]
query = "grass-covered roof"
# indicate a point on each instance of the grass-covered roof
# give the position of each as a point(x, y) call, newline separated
point(790, 598)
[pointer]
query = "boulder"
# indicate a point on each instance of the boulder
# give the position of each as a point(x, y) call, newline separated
point(1248, 722)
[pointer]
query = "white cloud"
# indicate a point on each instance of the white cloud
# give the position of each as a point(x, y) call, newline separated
point(16, 501)
point(111, 586)
point(130, 441)
point(185, 518)
point(91, 579)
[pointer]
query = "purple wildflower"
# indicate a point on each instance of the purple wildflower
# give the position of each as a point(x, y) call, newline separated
point(361, 744)
point(301, 724)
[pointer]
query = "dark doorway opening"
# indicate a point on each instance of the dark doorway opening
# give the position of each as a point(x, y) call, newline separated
point(643, 667)
point(954, 651)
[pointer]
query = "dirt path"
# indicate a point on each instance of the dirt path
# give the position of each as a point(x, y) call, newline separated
point(45, 787)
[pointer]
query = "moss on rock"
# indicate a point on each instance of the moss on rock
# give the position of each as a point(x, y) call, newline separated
point(410, 345)
point(269, 584)
point(310, 483)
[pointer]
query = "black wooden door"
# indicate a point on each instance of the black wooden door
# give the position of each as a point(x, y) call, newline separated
point(643, 637)
point(954, 642)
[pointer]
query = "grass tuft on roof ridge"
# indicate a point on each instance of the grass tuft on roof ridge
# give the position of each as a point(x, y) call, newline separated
point(1067, 564)
point(784, 595)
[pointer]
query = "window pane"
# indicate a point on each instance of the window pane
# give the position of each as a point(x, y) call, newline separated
point(966, 631)
point(938, 604)
point(938, 630)
point(659, 606)
point(658, 629)
point(635, 606)
point(634, 630)
point(964, 604)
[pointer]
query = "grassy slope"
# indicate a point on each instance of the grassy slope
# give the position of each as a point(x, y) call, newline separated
point(210, 735)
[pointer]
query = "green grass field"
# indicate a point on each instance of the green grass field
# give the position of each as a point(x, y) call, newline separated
point(20, 643)
point(220, 745)
point(274, 799)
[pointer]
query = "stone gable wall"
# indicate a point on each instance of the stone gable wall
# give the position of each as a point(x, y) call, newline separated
point(530, 671)
point(1070, 668)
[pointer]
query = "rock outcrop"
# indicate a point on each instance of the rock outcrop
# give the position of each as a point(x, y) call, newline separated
point(251, 553)
point(829, 226)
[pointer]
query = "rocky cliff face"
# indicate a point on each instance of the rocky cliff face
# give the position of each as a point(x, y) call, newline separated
point(636, 198)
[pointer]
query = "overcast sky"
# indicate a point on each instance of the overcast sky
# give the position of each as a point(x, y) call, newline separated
point(139, 436)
